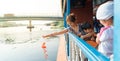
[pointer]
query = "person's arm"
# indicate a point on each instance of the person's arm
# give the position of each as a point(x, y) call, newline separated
point(79, 34)
point(55, 33)
point(97, 39)
point(87, 35)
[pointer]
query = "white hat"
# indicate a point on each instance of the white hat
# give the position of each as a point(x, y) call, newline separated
point(105, 11)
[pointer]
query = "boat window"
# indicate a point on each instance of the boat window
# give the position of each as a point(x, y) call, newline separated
point(77, 3)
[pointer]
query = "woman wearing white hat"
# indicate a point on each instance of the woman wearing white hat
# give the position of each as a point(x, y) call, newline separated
point(105, 37)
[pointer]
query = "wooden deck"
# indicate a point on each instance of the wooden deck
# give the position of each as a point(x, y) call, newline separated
point(62, 56)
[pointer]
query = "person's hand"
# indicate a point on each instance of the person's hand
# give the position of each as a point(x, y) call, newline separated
point(44, 36)
point(97, 39)
point(79, 34)
point(92, 38)
point(82, 37)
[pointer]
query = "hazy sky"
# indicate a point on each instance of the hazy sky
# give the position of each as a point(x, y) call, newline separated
point(31, 7)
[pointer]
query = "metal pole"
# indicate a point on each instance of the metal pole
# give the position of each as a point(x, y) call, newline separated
point(30, 25)
point(116, 30)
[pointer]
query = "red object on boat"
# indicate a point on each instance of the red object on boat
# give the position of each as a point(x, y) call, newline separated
point(43, 45)
point(45, 50)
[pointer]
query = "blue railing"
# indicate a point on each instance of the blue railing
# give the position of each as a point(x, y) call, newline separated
point(90, 52)
point(66, 13)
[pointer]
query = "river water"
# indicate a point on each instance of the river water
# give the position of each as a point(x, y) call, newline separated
point(19, 44)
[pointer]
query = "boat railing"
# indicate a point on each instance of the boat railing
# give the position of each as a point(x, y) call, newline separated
point(76, 44)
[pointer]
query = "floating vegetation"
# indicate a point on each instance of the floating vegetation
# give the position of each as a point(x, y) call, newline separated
point(9, 41)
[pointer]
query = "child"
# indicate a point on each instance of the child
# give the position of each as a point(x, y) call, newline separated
point(86, 27)
point(71, 21)
point(73, 27)
point(105, 37)
point(90, 35)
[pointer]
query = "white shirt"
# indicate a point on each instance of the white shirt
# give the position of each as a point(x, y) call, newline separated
point(106, 39)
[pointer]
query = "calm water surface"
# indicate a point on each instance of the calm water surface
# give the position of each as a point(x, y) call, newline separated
point(18, 44)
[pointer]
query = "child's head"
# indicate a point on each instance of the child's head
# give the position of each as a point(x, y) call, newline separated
point(71, 19)
point(86, 27)
point(105, 12)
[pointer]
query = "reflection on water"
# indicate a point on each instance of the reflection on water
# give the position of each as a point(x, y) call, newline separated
point(18, 44)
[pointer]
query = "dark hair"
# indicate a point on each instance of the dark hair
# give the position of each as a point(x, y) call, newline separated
point(72, 17)
point(85, 26)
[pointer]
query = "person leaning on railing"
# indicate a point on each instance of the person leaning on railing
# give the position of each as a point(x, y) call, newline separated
point(90, 35)
point(73, 27)
point(105, 36)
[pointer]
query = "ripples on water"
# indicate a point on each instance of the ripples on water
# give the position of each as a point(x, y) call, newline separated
point(18, 44)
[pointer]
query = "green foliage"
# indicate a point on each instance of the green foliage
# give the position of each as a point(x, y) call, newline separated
point(9, 40)
point(58, 24)
point(9, 24)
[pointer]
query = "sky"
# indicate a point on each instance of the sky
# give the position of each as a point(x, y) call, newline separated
point(30, 7)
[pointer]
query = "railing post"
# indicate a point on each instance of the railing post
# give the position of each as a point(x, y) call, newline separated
point(67, 12)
